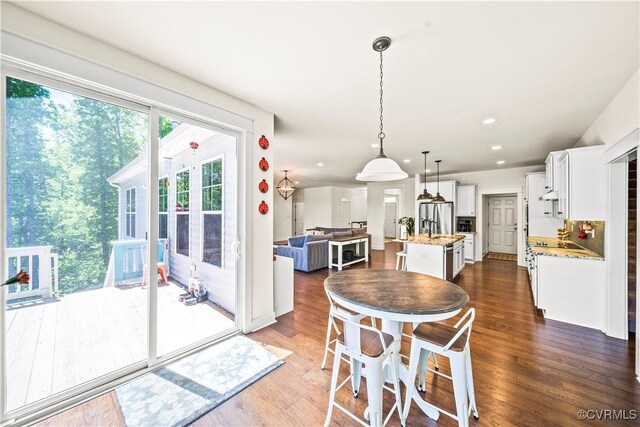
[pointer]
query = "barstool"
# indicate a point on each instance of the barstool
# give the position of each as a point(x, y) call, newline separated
point(370, 347)
point(344, 313)
point(401, 260)
point(451, 342)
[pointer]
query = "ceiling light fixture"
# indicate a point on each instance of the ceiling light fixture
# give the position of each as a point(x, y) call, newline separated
point(489, 121)
point(284, 187)
point(407, 160)
point(438, 198)
point(500, 162)
point(375, 145)
point(496, 147)
point(426, 196)
point(381, 168)
point(320, 164)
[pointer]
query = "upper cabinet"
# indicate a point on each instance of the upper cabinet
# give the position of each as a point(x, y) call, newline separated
point(580, 178)
point(466, 200)
point(551, 177)
point(447, 189)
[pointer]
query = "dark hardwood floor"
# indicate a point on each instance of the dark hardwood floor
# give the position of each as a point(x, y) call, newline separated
point(528, 371)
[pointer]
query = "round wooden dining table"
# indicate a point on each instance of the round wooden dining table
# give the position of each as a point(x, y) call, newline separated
point(396, 297)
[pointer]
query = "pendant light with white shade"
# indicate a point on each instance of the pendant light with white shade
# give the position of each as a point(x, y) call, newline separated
point(438, 198)
point(381, 168)
point(425, 196)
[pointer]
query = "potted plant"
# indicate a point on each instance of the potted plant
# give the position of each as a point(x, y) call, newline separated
point(407, 227)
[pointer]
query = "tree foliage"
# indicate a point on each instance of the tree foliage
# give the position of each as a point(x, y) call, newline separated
point(59, 157)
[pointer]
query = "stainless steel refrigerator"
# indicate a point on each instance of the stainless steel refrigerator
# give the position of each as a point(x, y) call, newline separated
point(439, 216)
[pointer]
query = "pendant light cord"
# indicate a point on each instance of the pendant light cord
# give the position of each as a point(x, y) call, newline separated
point(381, 135)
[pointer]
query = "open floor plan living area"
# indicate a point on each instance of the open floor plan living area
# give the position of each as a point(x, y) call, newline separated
point(325, 213)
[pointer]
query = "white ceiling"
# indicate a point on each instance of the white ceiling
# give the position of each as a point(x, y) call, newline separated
point(545, 69)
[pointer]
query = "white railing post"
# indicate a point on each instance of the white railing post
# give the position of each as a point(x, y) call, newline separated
point(54, 258)
point(44, 259)
point(47, 276)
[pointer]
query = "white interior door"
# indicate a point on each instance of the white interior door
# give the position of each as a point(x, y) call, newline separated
point(345, 213)
point(298, 218)
point(390, 220)
point(503, 227)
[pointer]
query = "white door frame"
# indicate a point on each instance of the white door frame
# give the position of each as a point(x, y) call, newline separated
point(482, 217)
point(47, 66)
point(616, 310)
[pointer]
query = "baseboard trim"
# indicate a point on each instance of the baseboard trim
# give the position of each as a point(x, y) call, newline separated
point(263, 321)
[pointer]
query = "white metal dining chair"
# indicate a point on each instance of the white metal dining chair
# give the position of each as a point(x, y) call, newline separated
point(371, 348)
point(331, 324)
point(451, 342)
point(401, 260)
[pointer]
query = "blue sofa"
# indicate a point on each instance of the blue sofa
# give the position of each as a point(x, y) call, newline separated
point(309, 253)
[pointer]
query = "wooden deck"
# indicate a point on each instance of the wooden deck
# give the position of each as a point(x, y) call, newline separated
point(59, 343)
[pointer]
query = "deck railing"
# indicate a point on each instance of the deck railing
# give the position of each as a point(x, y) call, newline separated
point(42, 266)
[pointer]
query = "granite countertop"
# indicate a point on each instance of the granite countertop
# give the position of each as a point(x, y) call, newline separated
point(435, 239)
point(573, 251)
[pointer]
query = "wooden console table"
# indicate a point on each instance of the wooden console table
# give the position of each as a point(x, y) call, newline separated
point(340, 244)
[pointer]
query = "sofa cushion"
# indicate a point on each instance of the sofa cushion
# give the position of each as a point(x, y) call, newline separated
point(359, 231)
point(297, 241)
point(341, 234)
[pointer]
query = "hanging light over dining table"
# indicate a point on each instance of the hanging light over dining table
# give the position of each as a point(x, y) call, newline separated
point(381, 168)
point(285, 187)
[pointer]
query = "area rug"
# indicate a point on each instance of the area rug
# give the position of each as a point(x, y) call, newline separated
point(181, 392)
point(502, 257)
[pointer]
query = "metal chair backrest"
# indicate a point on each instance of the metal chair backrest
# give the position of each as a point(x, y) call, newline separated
point(471, 313)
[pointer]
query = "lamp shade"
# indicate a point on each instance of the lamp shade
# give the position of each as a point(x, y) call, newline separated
point(381, 169)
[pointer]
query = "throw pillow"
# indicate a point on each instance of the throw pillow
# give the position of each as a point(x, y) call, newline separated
point(296, 241)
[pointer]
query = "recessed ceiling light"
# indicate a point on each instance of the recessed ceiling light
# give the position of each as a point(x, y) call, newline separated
point(320, 164)
point(496, 147)
point(427, 170)
point(406, 160)
point(375, 145)
point(500, 162)
point(297, 182)
point(489, 121)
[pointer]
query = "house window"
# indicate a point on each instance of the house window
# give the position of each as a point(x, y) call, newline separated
point(182, 213)
point(212, 212)
point(163, 208)
point(130, 213)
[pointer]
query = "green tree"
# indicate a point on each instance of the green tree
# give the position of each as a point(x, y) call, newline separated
point(29, 109)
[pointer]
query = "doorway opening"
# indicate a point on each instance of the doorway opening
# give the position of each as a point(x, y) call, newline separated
point(500, 236)
point(391, 206)
point(631, 245)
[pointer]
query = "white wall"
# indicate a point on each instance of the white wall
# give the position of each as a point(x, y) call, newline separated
point(282, 215)
point(322, 205)
point(375, 206)
point(257, 233)
point(619, 119)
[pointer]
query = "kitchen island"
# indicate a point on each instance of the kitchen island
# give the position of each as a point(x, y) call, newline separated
point(441, 255)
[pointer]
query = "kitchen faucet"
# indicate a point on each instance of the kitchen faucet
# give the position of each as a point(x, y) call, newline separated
point(429, 222)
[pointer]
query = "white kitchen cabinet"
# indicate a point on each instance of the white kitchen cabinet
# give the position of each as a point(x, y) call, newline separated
point(469, 247)
point(458, 257)
point(570, 289)
point(581, 180)
point(466, 200)
point(551, 171)
point(447, 189)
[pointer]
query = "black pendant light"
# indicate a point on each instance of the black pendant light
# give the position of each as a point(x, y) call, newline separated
point(425, 196)
point(438, 198)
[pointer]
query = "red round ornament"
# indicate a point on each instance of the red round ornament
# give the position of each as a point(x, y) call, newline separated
point(263, 164)
point(263, 186)
point(263, 208)
point(263, 142)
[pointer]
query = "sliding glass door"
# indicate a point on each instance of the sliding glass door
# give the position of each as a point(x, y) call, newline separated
point(81, 199)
